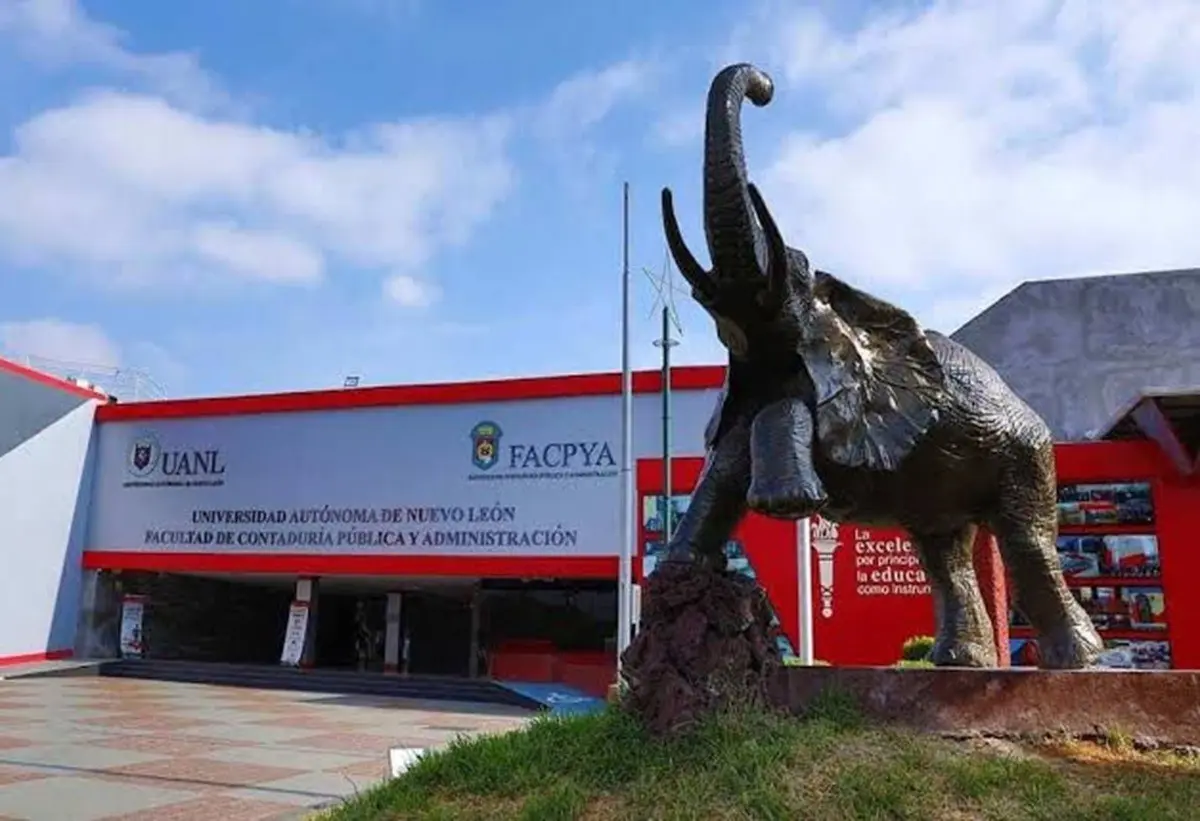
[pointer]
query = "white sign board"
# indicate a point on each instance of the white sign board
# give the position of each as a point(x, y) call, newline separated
point(133, 609)
point(527, 478)
point(401, 759)
point(294, 634)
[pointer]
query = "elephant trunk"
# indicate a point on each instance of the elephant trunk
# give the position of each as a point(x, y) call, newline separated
point(735, 242)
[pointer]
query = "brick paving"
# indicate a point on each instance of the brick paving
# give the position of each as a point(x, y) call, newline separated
point(95, 749)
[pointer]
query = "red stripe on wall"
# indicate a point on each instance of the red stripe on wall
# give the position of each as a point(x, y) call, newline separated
point(1119, 461)
point(698, 377)
point(49, 380)
point(34, 658)
point(301, 564)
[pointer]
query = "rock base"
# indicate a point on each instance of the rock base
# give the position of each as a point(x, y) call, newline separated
point(1151, 707)
point(705, 643)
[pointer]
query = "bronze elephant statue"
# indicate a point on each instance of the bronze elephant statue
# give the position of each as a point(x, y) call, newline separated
point(841, 404)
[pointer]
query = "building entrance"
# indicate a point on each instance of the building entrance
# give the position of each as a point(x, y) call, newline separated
point(195, 618)
point(437, 629)
point(350, 631)
point(510, 630)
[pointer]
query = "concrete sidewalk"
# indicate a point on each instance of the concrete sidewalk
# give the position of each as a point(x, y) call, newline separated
point(94, 749)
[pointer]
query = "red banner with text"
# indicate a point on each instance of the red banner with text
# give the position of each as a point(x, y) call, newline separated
point(869, 593)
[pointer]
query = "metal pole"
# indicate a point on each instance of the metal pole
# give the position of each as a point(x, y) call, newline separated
point(666, 423)
point(625, 579)
point(804, 562)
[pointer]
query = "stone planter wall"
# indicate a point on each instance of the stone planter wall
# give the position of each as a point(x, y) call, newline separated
point(1154, 706)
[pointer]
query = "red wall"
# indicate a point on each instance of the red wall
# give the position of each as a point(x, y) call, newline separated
point(878, 597)
point(770, 544)
point(1177, 514)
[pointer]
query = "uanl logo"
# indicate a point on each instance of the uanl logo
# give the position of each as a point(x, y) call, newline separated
point(144, 456)
point(824, 537)
point(537, 460)
point(153, 465)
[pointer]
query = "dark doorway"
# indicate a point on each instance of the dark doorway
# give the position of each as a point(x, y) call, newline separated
point(349, 625)
point(191, 618)
point(439, 634)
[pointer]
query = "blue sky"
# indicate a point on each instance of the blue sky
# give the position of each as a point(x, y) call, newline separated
point(245, 197)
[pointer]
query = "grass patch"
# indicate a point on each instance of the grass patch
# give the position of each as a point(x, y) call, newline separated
point(916, 664)
point(829, 766)
point(794, 661)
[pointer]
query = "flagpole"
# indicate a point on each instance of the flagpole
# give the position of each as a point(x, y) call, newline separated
point(625, 577)
point(804, 577)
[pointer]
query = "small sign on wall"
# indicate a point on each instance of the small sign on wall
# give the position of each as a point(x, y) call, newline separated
point(133, 610)
point(293, 638)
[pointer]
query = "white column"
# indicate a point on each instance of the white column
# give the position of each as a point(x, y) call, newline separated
point(473, 659)
point(636, 606)
point(99, 614)
point(804, 572)
point(391, 635)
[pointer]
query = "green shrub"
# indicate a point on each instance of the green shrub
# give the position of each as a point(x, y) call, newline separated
point(917, 648)
point(915, 663)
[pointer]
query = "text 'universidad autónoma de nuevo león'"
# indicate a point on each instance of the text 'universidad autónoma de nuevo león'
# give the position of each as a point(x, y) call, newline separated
point(481, 526)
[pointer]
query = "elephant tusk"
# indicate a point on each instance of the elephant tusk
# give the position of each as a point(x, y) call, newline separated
point(692, 271)
point(777, 263)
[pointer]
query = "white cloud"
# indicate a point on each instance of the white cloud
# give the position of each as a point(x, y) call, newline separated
point(56, 339)
point(678, 128)
point(410, 292)
point(128, 186)
point(564, 123)
point(583, 100)
point(257, 254)
point(137, 188)
point(976, 145)
point(58, 33)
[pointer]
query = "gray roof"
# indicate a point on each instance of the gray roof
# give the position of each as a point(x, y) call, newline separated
point(1078, 349)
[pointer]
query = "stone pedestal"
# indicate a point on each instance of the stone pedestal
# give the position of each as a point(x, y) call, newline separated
point(1157, 707)
point(705, 642)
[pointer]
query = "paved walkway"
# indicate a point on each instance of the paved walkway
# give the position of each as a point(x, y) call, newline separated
point(89, 748)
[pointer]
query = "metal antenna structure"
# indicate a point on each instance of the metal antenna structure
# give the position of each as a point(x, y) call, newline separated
point(664, 304)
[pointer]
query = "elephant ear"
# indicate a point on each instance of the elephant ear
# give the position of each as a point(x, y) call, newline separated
point(878, 382)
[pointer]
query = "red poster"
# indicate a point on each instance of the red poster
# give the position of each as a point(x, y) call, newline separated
point(869, 593)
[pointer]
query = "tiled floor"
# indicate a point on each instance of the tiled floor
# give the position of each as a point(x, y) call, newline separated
point(88, 748)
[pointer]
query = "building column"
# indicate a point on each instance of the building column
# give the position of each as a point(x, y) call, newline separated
point(306, 591)
point(391, 633)
point(97, 635)
point(473, 660)
point(989, 570)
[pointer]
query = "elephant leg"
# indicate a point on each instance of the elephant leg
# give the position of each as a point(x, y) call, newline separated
point(1026, 526)
point(784, 482)
point(718, 502)
point(964, 630)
